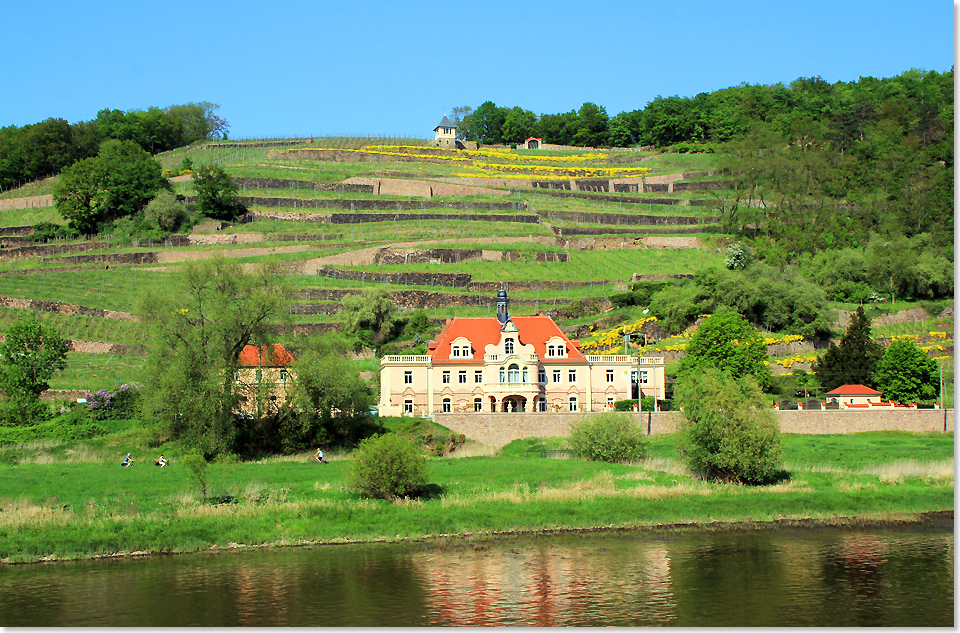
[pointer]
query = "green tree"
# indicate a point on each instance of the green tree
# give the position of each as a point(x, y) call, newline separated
point(592, 126)
point(854, 361)
point(486, 122)
point(729, 433)
point(387, 466)
point(368, 314)
point(328, 398)
point(31, 353)
point(727, 342)
point(608, 437)
point(165, 211)
point(216, 193)
point(118, 182)
point(198, 328)
point(518, 126)
point(906, 374)
point(80, 197)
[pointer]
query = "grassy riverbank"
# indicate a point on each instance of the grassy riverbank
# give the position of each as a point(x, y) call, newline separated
point(68, 503)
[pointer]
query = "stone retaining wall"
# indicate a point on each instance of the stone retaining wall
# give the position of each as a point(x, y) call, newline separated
point(637, 232)
point(42, 250)
point(316, 205)
point(624, 218)
point(499, 429)
point(702, 185)
point(451, 280)
point(279, 183)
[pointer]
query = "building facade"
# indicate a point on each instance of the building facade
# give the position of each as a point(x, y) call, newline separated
point(507, 364)
point(263, 378)
point(445, 134)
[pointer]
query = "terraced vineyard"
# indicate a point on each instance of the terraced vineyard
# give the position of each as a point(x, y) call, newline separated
point(440, 229)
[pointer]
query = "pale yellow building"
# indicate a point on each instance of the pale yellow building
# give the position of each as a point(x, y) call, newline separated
point(513, 365)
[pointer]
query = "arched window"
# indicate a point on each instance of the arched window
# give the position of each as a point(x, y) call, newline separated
point(477, 405)
point(502, 377)
point(513, 373)
point(447, 405)
point(508, 346)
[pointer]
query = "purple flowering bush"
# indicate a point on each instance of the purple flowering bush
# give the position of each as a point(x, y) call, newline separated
point(120, 404)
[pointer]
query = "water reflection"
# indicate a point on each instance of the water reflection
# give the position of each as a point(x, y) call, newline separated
point(835, 577)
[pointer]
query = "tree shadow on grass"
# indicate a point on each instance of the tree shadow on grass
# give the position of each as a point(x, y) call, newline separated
point(428, 491)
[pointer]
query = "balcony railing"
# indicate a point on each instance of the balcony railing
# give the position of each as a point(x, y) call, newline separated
point(499, 358)
point(405, 360)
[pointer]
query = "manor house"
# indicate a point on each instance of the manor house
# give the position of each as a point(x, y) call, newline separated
point(511, 364)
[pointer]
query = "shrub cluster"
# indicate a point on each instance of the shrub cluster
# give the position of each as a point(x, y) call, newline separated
point(387, 466)
point(608, 437)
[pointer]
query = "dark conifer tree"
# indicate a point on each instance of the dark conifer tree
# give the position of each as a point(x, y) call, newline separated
point(854, 361)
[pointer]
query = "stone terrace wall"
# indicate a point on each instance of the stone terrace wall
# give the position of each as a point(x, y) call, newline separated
point(499, 429)
point(624, 218)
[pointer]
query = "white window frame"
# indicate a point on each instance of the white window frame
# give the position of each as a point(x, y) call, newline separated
point(478, 375)
point(609, 375)
point(445, 377)
point(571, 375)
point(447, 405)
point(408, 377)
point(462, 377)
point(408, 406)
point(574, 405)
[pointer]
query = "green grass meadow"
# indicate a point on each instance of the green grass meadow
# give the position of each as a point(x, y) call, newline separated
point(73, 500)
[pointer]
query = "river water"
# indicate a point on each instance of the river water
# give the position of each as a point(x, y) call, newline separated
point(898, 576)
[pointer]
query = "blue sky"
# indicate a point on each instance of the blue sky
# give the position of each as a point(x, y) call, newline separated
point(299, 68)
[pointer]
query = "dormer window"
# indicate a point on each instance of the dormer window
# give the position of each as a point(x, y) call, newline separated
point(508, 346)
point(551, 351)
point(456, 351)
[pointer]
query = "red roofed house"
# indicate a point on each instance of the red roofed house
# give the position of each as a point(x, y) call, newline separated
point(854, 396)
point(264, 370)
point(510, 364)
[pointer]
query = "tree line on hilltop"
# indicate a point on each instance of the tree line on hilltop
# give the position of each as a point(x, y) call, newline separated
point(813, 166)
point(43, 149)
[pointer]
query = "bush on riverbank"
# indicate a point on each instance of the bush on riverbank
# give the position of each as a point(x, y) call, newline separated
point(387, 467)
point(608, 437)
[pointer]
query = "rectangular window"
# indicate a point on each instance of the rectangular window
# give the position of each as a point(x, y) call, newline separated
point(447, 405)
point(609, 375)
point(609, 402)
point(456, 351)
point(542, 376)
point(408, 377)
point(408, 406)
point(572, 375)
point(463, 378)
point(634, 376)
point(478, 376)
point(283, 375)
point(551, 351)
point(477, 405)
point(556, 375)
point(446, 378)
point(573, 404)
point(643, 378)
point(542, 404)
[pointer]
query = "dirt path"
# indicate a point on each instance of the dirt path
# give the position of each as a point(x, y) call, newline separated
point(30, 202)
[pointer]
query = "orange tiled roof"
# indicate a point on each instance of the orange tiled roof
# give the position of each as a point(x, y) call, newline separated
point(853, 390)
point(253, 356)
point(483, 331)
